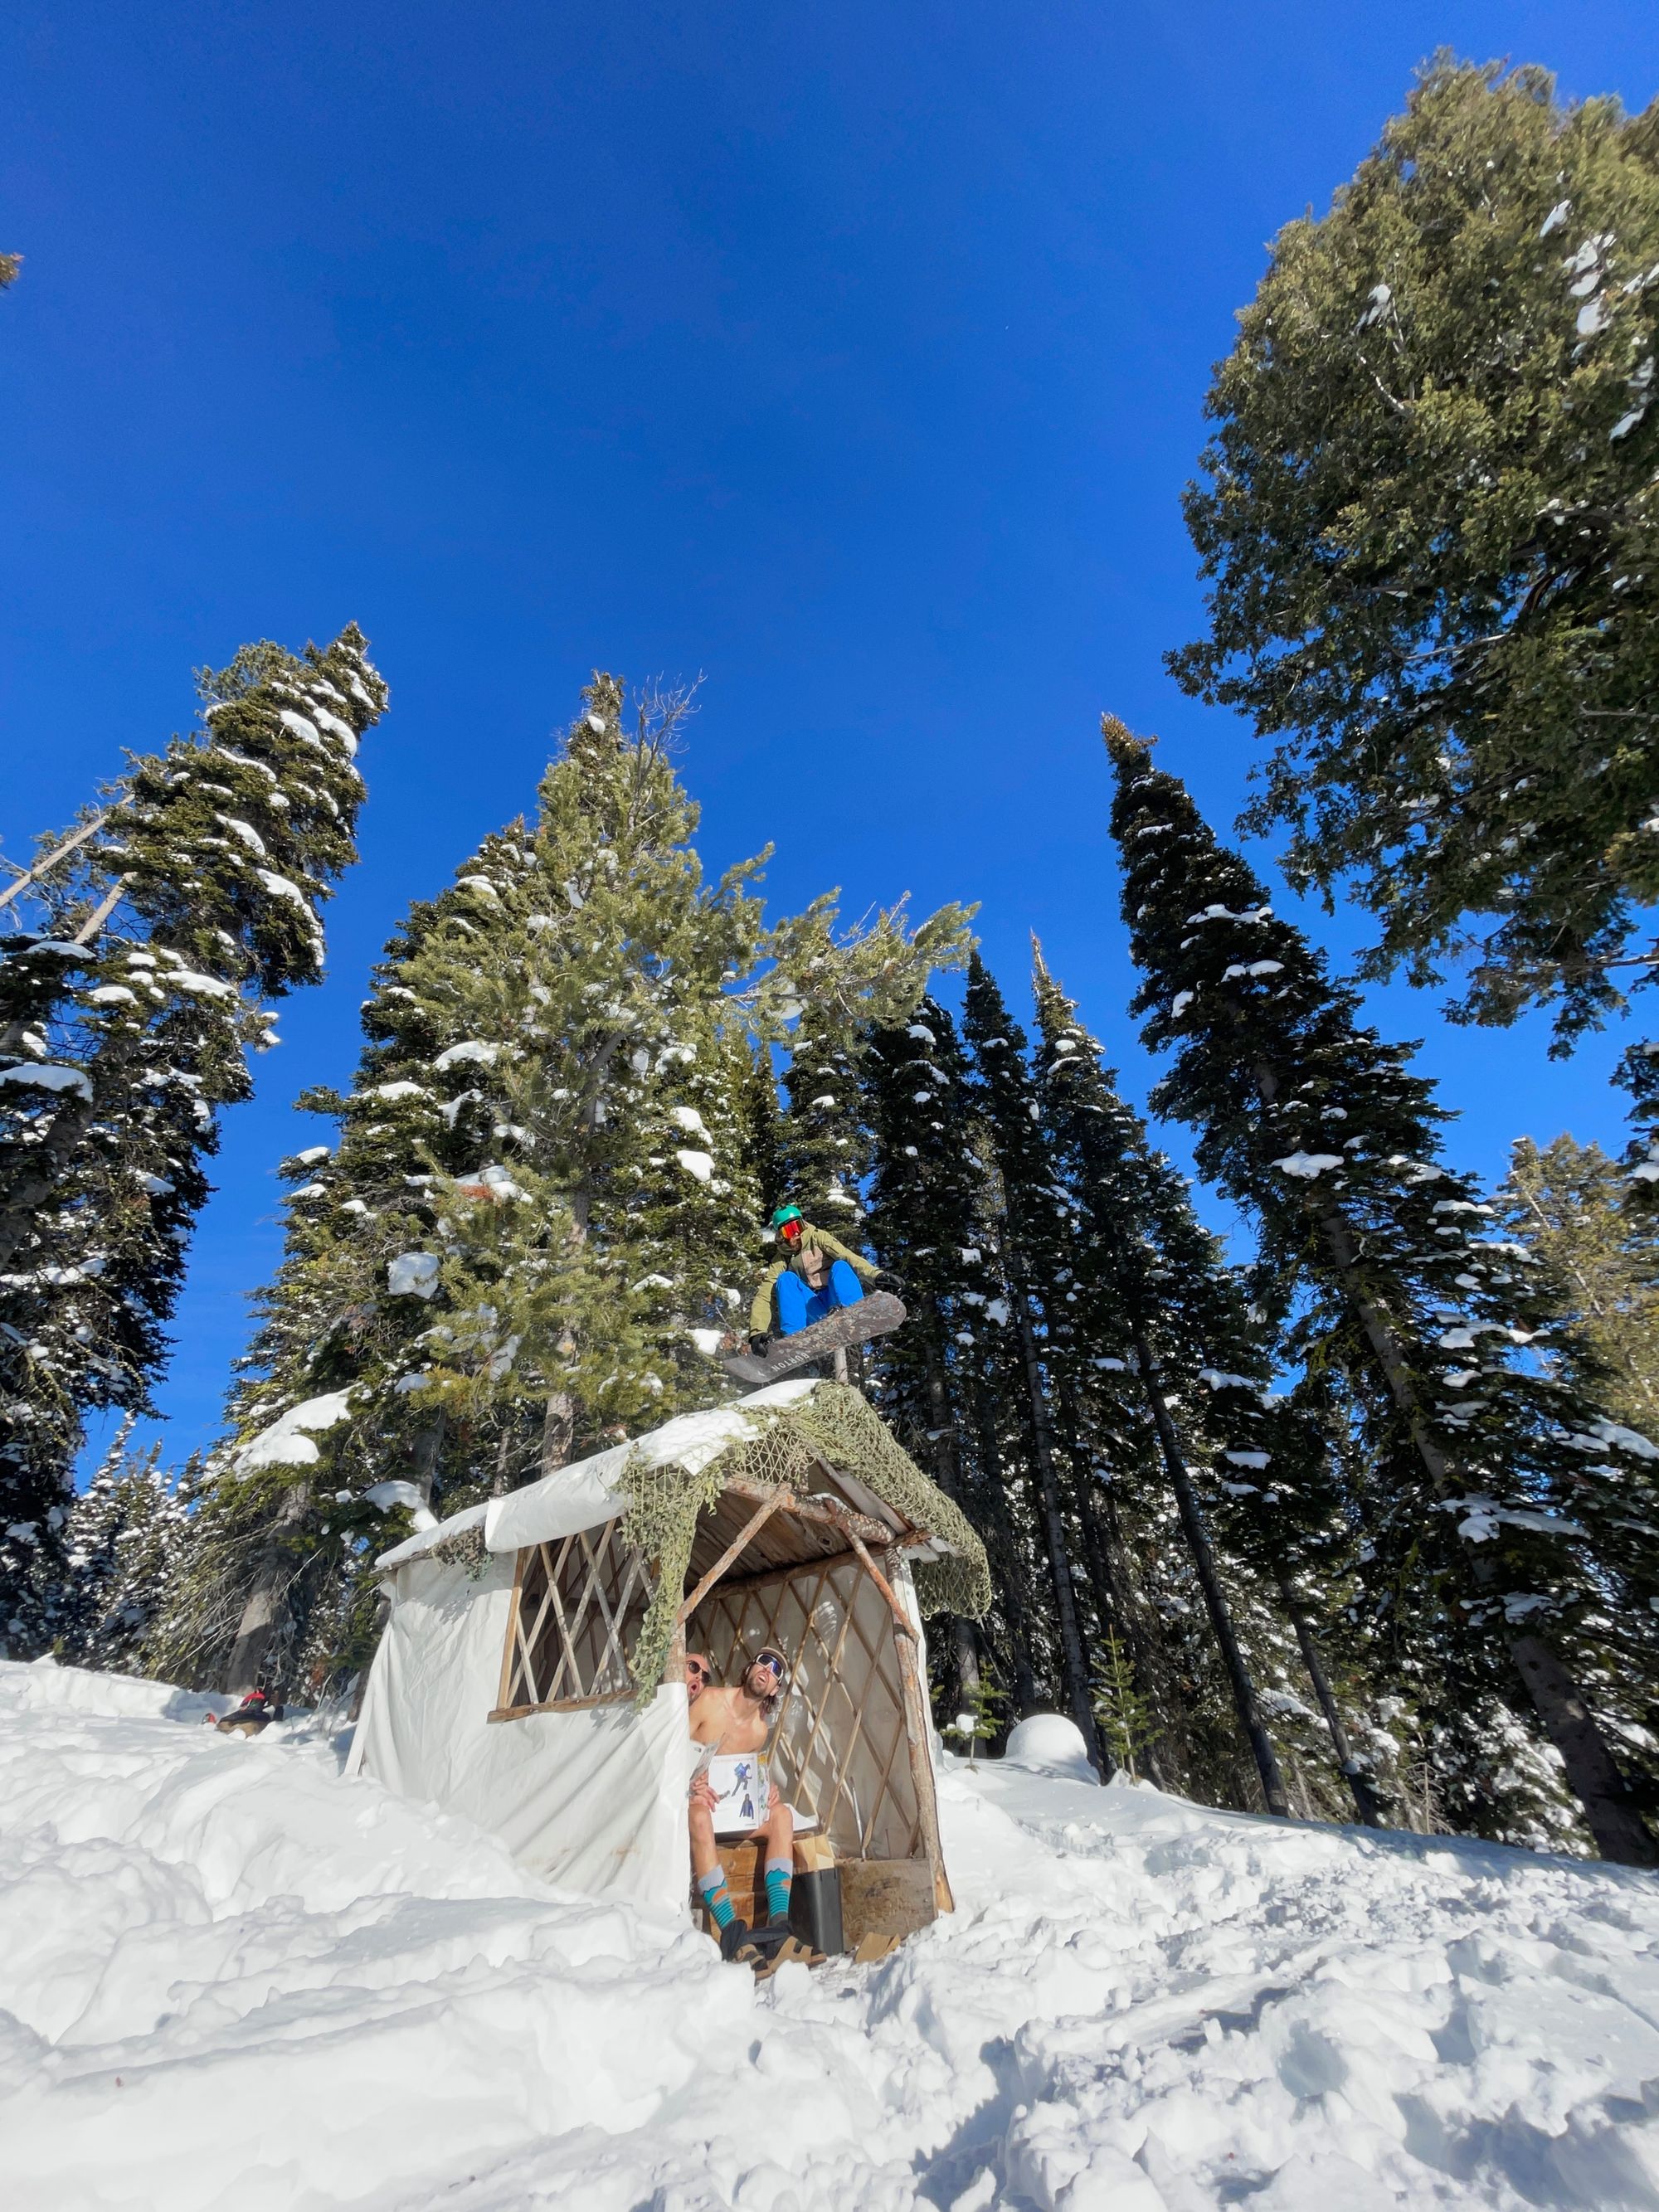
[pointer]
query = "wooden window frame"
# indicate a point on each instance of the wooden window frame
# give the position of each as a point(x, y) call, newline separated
point(525, 1661)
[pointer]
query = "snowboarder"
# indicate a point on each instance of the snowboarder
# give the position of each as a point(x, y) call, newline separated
point(252, 1717)
point(817, 1274)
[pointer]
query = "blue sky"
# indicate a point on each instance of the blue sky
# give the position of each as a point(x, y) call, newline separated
point(851, 358)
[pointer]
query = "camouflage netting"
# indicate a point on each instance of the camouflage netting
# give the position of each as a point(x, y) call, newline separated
point(466, 1550)
point(832, 1423)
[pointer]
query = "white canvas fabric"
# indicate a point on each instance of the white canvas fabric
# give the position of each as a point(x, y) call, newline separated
point(595, 1800)
point(583, 1495)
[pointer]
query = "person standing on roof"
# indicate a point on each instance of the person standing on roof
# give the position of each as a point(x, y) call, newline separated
point(815, 1275)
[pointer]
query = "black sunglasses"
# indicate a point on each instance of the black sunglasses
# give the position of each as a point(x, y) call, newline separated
point(697, 1666)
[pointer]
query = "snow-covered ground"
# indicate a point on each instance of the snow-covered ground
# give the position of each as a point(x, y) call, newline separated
point(229, 1980)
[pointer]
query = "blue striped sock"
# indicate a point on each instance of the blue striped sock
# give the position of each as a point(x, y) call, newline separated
point(718, 1897)
point(780, 1873)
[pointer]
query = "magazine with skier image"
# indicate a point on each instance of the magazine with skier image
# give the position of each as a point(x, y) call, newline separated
point(738, 1780)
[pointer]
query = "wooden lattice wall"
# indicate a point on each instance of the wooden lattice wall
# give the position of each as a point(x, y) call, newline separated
point(841, 1749)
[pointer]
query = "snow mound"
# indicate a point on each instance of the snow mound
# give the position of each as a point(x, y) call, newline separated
point(231, 1978)
point(1048, 1743)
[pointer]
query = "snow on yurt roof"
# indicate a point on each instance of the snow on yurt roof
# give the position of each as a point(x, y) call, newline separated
point(766, 1435)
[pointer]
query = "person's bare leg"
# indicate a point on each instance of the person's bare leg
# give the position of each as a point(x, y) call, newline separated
point(705, 1854)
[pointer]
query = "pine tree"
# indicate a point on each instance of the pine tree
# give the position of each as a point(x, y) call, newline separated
point(89, 1537)
point(1431, 535)
point(826, 1153)
point(926, 1203)
point(1569, 1204)
point(124, 1536)
point(1157, 1283)
point(1031, 1248)
point(1128, 1724)
point(762, 1134)
point(542, 1210)
point(982, 1713)
point(131, 993)
point(1478, 1458)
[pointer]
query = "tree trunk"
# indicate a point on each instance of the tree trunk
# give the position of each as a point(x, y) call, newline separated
point(1074, 1667)
point(1215, 1599)
point(47, 1162)
point(498, 1487)
point(942, 1435)
point(1359, 1783)
point(428, 1445)
point(1124, 1606)
point(558, 1431)
point(1621, 1835)
point(1016, 1618)
point(262, 1609)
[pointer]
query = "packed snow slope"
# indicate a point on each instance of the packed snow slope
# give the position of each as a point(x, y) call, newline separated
point(230, 1978)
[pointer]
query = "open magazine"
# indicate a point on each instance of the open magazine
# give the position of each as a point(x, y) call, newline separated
point(739, 1779)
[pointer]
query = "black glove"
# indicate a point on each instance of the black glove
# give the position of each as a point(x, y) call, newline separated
point(884, 1279)
point(759, 1343)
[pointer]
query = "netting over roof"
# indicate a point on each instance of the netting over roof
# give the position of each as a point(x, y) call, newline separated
point(780, 1444)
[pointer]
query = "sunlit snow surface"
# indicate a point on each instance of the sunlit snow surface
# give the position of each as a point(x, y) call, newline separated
point(230, 1980)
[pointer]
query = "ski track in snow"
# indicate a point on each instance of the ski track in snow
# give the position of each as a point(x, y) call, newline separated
point(229, 1979)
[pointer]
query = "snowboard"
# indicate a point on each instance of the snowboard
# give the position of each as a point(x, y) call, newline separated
point(848, 1325)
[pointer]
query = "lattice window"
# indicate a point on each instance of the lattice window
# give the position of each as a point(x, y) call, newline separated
point(577, 1608)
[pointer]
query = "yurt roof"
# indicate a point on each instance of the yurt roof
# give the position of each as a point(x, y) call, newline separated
point(770, 1436)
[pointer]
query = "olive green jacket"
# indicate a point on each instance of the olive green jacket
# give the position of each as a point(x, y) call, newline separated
point(761, 1316)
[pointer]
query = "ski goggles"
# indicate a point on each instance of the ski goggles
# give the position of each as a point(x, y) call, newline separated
point(774, 1662)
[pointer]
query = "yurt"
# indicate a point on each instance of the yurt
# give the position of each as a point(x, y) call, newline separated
point(531, 1672)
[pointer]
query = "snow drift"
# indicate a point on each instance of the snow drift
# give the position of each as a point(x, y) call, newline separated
point(230, 1977)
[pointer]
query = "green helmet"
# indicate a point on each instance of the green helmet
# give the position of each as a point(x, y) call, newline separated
point(786, 1214)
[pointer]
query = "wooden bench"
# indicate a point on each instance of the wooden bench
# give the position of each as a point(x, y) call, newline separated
point(882, 1901)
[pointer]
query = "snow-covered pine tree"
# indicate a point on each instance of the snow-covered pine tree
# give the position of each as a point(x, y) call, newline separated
point(145, 945)
point(1481, 1461)
point(927, 1201)
point(762, 1128)
point(124, 1534)
point(1033, 1250)
point(1202, 1368)
point(825, 1144)
point(88, 1542)
point(1155, 1281)
point(511, 1258)
point(696, 1222)
point(348, 1314)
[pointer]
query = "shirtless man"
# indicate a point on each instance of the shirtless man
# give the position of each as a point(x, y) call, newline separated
point(736, 1720)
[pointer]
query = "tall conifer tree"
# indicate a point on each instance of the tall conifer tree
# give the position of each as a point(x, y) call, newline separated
point(826, 1147)
point(1159, 1282)
point(566, 1050)
point(1430, 531)
point(146, 944)
point(926, 1207)
point(1033, 1247)
point(1306, 1117)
